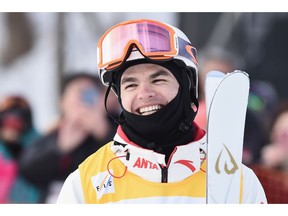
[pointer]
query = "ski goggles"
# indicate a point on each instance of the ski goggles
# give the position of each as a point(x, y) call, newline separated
point(153, 39)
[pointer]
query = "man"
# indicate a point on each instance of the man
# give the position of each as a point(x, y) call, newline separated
point(212, 58)
point(152, 68)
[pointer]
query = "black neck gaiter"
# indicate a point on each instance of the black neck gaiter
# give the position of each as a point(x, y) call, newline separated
point(159, 131)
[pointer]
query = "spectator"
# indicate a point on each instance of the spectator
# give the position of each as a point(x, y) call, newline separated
point(262, 103)
point(16, 134)
point(273, 165)
point(82, 128)
point(254, 138)
point(215, 58)
point(275, 154)
point(212, 58)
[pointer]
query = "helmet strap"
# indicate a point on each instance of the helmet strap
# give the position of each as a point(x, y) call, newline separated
point(189, 108)
point(105, 104)
point(186, 125)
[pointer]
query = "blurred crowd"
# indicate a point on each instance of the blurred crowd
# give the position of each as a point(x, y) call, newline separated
point(33, 166)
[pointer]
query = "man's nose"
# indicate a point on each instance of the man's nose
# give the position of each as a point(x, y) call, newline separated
point(146, 92)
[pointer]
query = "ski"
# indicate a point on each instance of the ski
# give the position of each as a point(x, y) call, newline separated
point(226, 99)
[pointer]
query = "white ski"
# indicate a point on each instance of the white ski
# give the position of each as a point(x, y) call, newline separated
point(226, 99)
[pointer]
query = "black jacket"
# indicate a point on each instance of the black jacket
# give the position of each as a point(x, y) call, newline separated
point(43, 163)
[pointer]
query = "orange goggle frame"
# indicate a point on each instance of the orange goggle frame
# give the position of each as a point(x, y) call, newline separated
point(153, 39)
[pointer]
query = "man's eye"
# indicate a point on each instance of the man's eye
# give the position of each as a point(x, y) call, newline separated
point(159, 80)
point(130, 86)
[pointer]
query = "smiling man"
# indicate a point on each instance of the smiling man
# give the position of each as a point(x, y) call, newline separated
point(146, 88)
point(158, 154)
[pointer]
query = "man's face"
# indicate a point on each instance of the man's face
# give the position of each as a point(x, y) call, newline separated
point(12, 127)
point(80, 92)
point(81, 99)
point(146, 88)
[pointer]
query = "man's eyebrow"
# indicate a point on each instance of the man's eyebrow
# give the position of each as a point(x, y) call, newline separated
point(127, 79)
point(152, 76)
point(160, 73)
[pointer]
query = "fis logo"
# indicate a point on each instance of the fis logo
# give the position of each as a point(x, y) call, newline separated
point(146, 164)
point(103, 183)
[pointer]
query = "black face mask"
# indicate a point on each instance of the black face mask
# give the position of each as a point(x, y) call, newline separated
point(154, 127)
point(160, 130)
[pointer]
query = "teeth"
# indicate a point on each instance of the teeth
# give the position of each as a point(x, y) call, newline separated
point(149, 109)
